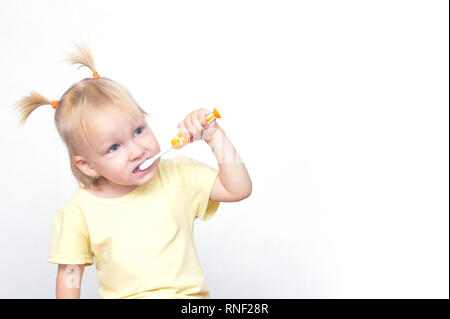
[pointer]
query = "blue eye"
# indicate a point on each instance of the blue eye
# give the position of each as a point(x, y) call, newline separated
point(116, 146)
point(113, 148)
point(140, 130)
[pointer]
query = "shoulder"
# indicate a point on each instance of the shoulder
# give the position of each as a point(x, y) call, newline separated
point(178, 160)
point(183, 164)
point(171, 169)
point(70, 218)
point(179, 168)
point(72, 206)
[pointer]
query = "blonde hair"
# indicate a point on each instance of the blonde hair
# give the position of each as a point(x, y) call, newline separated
point(77, 105)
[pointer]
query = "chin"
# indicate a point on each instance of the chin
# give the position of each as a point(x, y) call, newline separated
point(151, 174)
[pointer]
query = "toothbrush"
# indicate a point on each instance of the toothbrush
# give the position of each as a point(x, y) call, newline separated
point(178, 141)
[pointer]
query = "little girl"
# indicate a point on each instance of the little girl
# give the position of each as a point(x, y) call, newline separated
point(136, 224)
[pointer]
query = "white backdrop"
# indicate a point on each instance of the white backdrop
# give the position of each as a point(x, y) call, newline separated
point(339, 110)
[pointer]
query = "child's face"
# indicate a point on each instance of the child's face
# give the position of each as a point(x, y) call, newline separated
point(122, 145)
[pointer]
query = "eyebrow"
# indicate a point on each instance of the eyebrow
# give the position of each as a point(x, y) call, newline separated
point(107, 140)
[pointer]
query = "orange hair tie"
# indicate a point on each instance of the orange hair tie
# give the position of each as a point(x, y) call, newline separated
point(95, 75)
point(55, 104)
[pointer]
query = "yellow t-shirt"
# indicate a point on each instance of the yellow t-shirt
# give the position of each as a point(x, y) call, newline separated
point(143, 241)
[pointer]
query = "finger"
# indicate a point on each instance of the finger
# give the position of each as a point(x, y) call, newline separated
point(183, 130)
point(189, 126)
point(198, 129)
point(203, 114)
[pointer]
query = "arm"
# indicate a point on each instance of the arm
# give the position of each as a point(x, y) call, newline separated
point(68, 281)
point(233, 182)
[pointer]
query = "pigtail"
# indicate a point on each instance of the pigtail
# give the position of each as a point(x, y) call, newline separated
point(82, 55)
point(28, 104)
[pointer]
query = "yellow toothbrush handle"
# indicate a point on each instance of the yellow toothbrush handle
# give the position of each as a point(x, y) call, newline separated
point(215, 115)
point(180, 140)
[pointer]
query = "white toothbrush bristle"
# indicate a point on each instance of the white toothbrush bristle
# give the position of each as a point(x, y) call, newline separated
point(146, 164)
point(150, 161)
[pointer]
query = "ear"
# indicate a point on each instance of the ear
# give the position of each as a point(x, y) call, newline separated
point(84, 166)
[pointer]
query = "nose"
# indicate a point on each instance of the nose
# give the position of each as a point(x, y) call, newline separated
point(135, 151)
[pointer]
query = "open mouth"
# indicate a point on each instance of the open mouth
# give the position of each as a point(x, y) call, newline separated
point(137, 170)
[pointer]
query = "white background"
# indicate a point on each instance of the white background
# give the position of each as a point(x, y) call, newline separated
point(339, 110)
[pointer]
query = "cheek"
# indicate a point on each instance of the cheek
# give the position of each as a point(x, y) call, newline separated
point(156, 147)
point(112, 162)
point(152, 143)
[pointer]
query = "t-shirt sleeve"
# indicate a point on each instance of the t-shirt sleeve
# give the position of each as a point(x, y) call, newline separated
point(198, 179)
point(70, 242)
